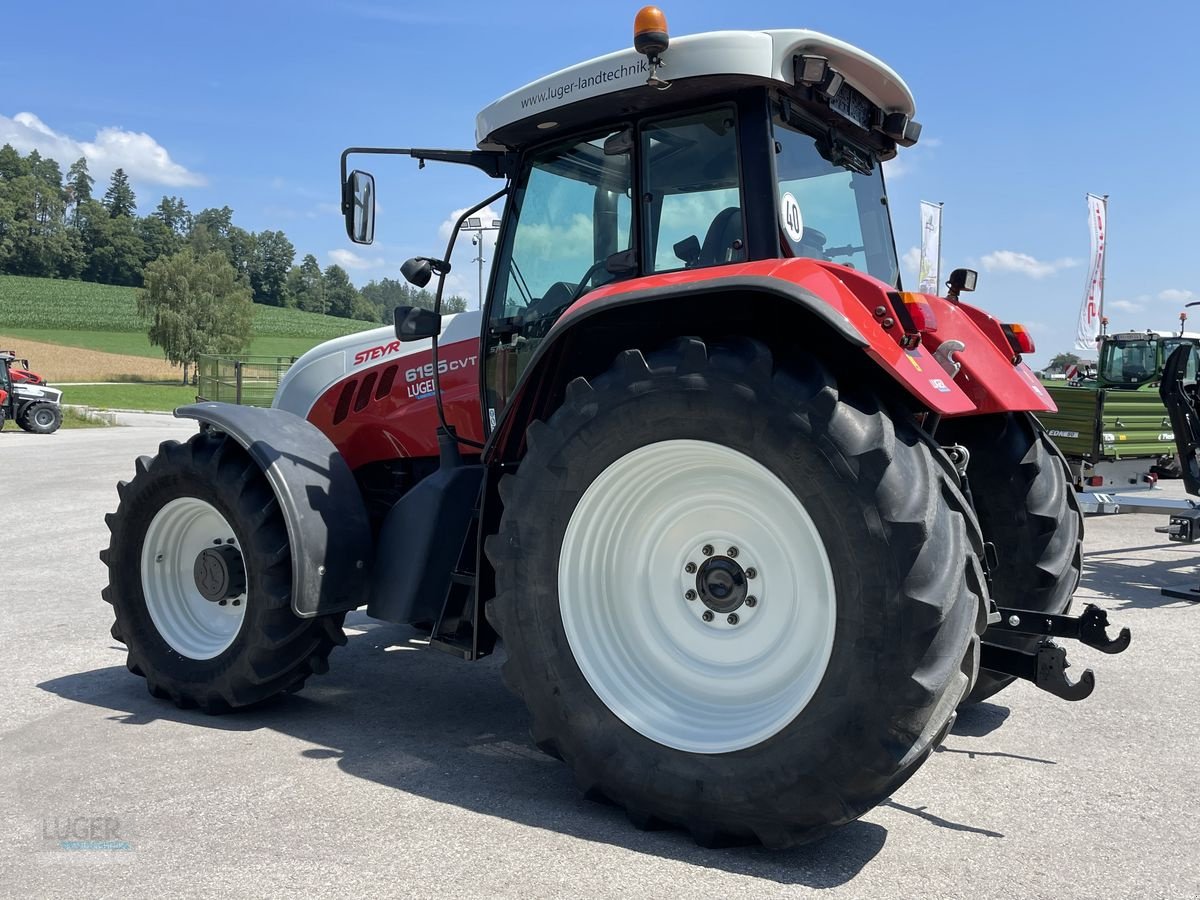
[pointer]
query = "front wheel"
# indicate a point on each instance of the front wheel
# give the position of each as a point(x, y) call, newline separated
point(733, 598)
point(40, 418)
point(200, 575)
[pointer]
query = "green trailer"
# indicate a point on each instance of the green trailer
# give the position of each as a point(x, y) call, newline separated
point(1115, 430)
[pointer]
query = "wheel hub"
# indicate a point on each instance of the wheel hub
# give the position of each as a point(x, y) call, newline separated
point(721, 584)
point(220, 573)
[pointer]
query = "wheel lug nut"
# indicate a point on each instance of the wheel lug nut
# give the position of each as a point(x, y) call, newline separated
point(732, 619)
point(216, 540)
point(752, 601)
point(690, 595)
point(752, 572)
point(707, 550)
point(708, 616)
point(223, 603)
point(237, 602)
point(732, 552)
point(690, 568)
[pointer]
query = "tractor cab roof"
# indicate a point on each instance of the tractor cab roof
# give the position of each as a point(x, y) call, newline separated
point(849, 86)
point(1151, 333)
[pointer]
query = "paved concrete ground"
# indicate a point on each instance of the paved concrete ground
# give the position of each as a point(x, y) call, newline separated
point(405, 773)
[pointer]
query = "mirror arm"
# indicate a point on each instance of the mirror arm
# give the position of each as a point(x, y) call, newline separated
point(494, 163)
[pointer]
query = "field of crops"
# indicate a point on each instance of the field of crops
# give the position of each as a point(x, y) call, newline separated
point(46, 304)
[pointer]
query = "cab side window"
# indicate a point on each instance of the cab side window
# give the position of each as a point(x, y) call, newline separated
point(693, 195)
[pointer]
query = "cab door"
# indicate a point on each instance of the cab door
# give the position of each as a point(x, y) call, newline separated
point(570, 226)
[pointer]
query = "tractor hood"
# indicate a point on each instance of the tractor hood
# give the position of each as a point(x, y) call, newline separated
point(36, 392)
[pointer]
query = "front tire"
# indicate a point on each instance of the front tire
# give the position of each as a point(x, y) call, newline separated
point(40, 418)
point(200, 577)
point(827, 693)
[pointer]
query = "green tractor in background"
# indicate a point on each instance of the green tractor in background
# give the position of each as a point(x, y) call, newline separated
point(1114, 429)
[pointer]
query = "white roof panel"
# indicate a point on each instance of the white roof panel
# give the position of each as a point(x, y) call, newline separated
point(759, 54)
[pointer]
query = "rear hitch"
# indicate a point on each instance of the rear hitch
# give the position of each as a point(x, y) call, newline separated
point(1089, 627)
point(1047, 666)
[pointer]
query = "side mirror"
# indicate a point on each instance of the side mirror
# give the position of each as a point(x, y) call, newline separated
point(962, 280)
point(358, 206)
point(417, 271)
point(415, 323)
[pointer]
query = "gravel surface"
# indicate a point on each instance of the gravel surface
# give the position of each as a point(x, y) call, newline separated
point(406, 773)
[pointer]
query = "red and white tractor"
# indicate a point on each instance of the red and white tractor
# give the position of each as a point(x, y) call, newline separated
point(700, 462)
point(26, 398)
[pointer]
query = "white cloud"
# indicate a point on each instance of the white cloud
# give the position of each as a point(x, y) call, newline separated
point(1129, 306)
point(348, 259)
point(912, 260)
point(144, 160)
point(1175, 295)
point(1024, 264)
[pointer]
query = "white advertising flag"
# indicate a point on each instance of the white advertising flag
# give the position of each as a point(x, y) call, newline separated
point(931, 247)
point(1093, 296)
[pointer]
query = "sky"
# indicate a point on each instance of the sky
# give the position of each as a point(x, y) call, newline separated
point(1026, 107)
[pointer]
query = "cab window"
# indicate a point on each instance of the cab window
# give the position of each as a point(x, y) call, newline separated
point(692, 192)
point(829, 210)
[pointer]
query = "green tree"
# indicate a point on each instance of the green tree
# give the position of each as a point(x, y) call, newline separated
point(339, 292)
point(454, 304)
point(157, 238)
point(1062, 361)
point(305, 285)
point(173, 213)
point(119, 199)
point(12, 165)
point(273, 256)
point(115, 251)
point(196, 305)
point(79, 185)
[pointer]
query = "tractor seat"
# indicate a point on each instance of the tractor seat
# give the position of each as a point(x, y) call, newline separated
point(724, 242)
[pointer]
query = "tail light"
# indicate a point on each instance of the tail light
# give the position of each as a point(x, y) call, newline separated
point(1096, 481)
point(1019, 339)
point(920, 314)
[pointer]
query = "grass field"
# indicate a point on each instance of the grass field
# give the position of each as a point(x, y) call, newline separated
point(103, 317)
point(148, 397)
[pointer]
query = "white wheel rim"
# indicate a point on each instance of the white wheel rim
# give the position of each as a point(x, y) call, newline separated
point(695, 685)
point(194, 626)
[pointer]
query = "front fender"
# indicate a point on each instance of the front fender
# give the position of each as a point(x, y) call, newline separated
point(326, 519)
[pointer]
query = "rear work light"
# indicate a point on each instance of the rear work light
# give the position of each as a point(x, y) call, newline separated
point(1019, 339)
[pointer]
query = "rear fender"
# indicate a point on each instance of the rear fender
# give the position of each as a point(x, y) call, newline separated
point(783, 313)
point(326, 519)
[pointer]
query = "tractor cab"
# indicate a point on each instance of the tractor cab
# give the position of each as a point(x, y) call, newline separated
point(659, 164)
point(1134, 360)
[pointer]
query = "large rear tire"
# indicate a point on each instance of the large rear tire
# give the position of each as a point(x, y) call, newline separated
point(200, 577)
point(813, 703)
point(1027, 508)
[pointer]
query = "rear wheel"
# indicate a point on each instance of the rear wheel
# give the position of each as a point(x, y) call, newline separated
point(200, 575)
point(40, 418)
point(1027, 508)
point(732, 598)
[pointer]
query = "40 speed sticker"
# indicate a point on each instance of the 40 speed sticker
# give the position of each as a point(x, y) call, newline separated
point(790, 217)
